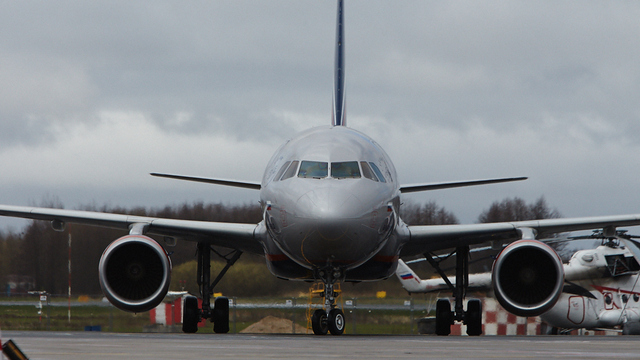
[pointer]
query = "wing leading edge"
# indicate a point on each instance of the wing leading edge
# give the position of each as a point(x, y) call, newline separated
point(230, 235)
point(456, 184)
point(241, 184)
point(424, 238)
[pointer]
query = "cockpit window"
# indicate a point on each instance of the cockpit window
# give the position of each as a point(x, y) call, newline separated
point(313, 169)
point(347, 169)
point(291, 171)
point(282, 170)
point(378, 172)
point(367, 172)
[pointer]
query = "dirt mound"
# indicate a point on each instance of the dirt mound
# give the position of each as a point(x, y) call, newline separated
point(273, 325)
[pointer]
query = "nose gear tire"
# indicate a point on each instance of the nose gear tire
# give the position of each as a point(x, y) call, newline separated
point(336, 322)
point(319, 322)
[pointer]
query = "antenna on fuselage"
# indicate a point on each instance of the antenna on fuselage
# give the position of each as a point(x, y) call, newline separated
point(338, 117)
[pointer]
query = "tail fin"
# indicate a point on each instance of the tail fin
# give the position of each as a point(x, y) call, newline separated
point(409, 280)
point(413, 284)
point(338, 117)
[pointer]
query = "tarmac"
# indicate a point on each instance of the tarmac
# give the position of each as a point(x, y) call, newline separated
point(38, 345)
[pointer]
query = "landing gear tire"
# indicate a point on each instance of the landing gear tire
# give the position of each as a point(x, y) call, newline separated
point(220, 315)
point(444, 317)
point(473, 317)
point(319, 322)
point(336, 322)
point(191, 315)
point(631, 328)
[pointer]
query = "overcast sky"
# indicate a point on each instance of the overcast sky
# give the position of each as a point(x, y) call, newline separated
point(97, 94)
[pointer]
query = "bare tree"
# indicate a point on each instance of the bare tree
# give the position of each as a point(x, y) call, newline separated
point(516, 209)
point(427, 214)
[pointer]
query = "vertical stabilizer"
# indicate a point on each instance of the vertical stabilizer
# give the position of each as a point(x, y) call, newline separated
point(409, 280)
point(413, 284)
point(338, 117)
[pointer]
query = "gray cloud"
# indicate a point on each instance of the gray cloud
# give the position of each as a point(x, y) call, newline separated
point(97, 94)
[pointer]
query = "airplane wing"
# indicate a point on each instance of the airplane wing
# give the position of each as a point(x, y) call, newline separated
point(424, 238)
point(230, 235)
point(240, 184)
point(455, 184)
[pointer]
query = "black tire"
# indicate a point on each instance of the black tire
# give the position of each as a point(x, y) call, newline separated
point(190, 315)
point(444, 317)
point(319, 322)
point(631, 328)
point(473, 317)
point(220, 316)
point(336, 322)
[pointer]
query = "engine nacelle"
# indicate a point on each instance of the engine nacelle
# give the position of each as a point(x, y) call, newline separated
point(528, 278)
point(135, 273)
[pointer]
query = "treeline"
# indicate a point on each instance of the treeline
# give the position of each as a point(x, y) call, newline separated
point(38, 257)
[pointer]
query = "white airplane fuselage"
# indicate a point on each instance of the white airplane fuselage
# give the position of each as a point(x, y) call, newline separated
point(330, 199)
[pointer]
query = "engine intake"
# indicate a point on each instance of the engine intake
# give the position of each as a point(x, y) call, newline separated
point(135, 273)
point(528, 278)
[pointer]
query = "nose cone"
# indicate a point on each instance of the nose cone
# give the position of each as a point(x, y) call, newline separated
point(329, 204)
point(336, 227)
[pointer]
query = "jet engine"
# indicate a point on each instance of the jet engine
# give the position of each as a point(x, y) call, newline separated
point(135, 273)
point(528, 278)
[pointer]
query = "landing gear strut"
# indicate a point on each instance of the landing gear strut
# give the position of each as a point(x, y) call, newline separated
point(444, 316)
point(192, 313)
point(331, 318)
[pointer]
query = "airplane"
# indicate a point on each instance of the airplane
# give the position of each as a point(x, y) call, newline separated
point(600, 291)
point(330, 199)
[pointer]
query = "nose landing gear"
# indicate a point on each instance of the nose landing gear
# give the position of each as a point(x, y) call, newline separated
point(329, 319)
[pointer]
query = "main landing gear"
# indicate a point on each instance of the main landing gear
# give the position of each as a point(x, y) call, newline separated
point(192, 313)
point(330, 319)
point(444, 316)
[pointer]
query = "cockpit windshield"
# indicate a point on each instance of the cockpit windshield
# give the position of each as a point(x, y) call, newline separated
point(344, 170)
point(291, 170)
point(282, 170)
point(367, 172)
point(313, 169)
point(339, 170)
point(378, 172)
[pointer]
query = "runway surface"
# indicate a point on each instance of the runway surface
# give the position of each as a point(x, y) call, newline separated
point(88, 345)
